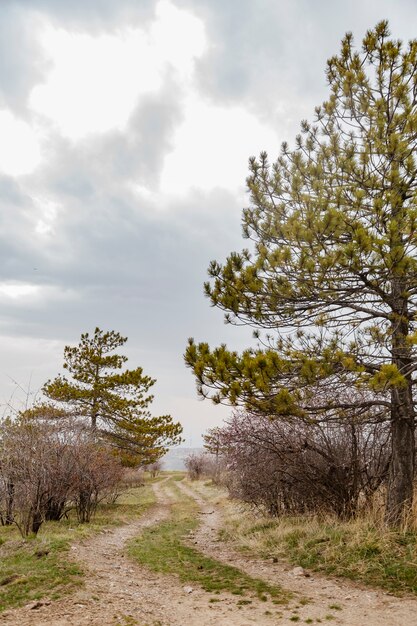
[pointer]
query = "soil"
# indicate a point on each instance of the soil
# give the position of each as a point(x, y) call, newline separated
point(119, 592)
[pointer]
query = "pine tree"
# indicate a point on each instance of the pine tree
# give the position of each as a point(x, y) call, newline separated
point(330, 282)
point(115, 401)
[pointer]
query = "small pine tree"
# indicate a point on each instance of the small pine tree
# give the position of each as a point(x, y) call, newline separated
point(115, 401)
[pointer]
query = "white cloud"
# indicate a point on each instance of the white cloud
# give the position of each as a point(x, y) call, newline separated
point(19, 146)
point(17, 290)
point(96, 81)
point(177, 37)
point(40, 295)
point(212, 147)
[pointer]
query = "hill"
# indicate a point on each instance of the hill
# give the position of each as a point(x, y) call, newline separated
point(175, 458)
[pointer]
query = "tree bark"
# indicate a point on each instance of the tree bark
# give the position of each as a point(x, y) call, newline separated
point(401, 473)
point(10, 490)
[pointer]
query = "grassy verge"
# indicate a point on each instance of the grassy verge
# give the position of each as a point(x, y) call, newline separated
point(163, 549)
point(359, 550)
point(38, 567)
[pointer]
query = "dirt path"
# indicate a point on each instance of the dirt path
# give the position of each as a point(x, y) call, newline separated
point(359, 605)
point(118, 592)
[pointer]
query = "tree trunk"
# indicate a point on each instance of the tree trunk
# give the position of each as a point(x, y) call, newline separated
point(401, 473)
point(10, 489)
point(55, 510)
point(37, 521)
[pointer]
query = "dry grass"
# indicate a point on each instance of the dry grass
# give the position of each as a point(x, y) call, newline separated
point(363, 549)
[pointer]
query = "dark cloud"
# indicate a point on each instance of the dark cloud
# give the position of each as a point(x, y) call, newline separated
point(113, 250)
point(18, 248)
point(102, 163)
point(22, 64)
point(271, 55)
point(89, 14)
point(135, 271)
point(102, 224)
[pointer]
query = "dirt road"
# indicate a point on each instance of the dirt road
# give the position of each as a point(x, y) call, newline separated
point(118, 592)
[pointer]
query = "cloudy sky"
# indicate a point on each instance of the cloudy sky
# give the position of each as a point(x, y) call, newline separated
point(125, 130)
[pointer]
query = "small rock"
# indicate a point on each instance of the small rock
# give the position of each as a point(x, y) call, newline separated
point(274, 559)
point(298, 571)
point(34, 605)
point(348, 597)
point(188, 589)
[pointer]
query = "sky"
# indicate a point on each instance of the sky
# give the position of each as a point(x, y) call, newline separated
point(125, 133)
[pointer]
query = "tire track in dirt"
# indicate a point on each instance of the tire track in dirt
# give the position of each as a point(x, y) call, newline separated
point(360, 605)
point(110, 591)
point(119, 592)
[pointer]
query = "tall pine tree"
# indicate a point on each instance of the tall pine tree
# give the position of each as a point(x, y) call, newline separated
point(331, 277)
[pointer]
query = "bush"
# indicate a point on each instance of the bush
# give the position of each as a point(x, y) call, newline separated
point(196, 465)
point(133, 477)
point(97, 473)
point(48, 466)
point(154, 468)
point(294, 467)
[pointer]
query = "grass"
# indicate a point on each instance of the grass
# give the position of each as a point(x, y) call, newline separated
point(360, 550)
point(38, 567)
point(25, 576)
point(163, 549)
point(177, 476)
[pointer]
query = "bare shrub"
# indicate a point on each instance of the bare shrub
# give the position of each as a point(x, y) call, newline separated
point(97, 473)
point(48, 466)
point(196, 465)
point(133, 477)
point(205, 465)
point(35, 479)
point(154, 468)
point(216, 464)
point(294, 467)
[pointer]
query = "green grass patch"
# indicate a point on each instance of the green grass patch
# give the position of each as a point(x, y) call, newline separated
point(163, 549)
point(38, 567)
point(34, 569)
